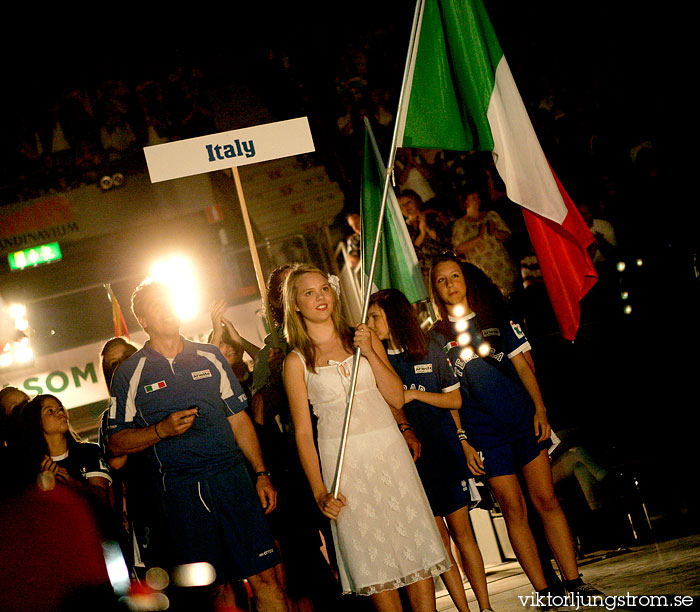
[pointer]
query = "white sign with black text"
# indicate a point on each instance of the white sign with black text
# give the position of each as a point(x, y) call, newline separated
point(224, 150)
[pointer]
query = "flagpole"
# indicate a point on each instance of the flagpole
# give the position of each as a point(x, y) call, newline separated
point(254, 254)
point(370, 276)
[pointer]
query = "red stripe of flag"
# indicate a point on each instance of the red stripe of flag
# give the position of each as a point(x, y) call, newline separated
point(567, 270)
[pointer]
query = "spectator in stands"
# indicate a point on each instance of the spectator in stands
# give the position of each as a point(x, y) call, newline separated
point(413, 173)
point(427, 228)
point(605, 243)
point(478, 237)
point(518, 245)
point(116, 134)
point(353, 242)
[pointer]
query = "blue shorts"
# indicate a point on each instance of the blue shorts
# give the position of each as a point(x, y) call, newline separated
point(512, 457)
point(220, 520)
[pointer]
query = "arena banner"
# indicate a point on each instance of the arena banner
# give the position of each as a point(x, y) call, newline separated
point(226, 150)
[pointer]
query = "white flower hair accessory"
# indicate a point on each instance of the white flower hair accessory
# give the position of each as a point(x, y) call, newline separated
point(334, 282)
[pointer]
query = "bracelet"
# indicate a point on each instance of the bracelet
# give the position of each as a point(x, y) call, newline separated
point(405, 427)
point(155, 428)
point(461, 435)
point(263, 473)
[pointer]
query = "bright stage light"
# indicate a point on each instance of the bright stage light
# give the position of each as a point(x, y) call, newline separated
point(461, 325)
point(467, 353)
point(178, 274)
point(458, 311)
point(484, 349)
point(17, 311)
point(24, 354)
point(194, 574)
point(464, 339)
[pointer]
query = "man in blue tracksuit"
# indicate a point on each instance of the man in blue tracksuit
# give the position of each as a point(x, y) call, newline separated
point(181, 402)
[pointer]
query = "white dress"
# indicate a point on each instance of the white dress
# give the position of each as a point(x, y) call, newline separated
point(386, 536)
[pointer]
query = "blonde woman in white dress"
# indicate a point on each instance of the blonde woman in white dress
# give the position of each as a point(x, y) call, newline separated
point(384, 532)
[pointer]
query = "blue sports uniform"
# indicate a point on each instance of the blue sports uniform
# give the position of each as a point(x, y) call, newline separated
point(148, 387)
point(497, 411)
point(210, 505)
point(84, 460)
point(442, 465)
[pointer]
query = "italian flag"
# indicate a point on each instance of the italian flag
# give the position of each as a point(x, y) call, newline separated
point(460, 95)
point(161, 384)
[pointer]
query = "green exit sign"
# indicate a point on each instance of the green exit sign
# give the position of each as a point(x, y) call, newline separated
point(44, 253)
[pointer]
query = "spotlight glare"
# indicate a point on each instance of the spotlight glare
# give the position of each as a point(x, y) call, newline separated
point(458, 311)
point(157, 578)
point(462, 325)
point(6, 359)
point(463, 339)
point(621, 266)
point(484, 349)
point(23, 354)
point(639, 262)
point(625, 294)
point(628, 309)
point(17, 311)
point(467, 354)
point(21, 324)
point(194, 574)
point(178, 274)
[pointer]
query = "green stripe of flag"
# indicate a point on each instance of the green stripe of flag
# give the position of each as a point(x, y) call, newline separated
point(457, 51)
point(397, 265)
point(463, 97)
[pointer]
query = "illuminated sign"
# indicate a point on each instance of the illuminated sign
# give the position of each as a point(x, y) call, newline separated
point(44, 253)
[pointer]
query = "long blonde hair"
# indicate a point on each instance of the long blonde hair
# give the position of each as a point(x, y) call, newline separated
point(294, 326)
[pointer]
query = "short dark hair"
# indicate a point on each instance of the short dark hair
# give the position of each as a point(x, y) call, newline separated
point(409, 193)
point(144, 289)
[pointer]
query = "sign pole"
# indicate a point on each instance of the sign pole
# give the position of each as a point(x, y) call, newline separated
point(254, 254)
point(214, 152)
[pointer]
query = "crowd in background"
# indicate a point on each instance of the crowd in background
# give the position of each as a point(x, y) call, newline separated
point(60, 135)
point(600, 140)
point(606, 161)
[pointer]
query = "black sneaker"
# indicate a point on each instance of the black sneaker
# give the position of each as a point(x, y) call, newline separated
point(583, 591)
